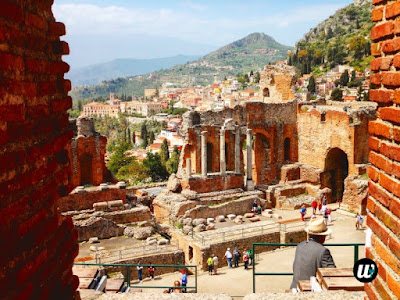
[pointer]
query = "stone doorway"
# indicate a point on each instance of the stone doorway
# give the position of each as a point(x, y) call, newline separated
point(86, 169)
point(336, 171)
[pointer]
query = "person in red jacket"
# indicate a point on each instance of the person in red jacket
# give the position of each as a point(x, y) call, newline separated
point(314, 207)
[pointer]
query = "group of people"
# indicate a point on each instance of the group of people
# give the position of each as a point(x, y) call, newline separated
point(236, 255)
point(179, 286)
point(212, 263)
point(256, 208)
point(150, 268)
point(323, 208)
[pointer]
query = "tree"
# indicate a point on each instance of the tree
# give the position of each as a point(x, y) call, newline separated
point(337, 94)
point(156, 170)
point(344, 78)
point(151, 137)
point(353, 76)
point(119, 159)
point(311, 85)
point(173, 163)
point(129, 135)
point(133, 138)
point(133, 173)
point(144, 135)
point(80, 105)
point(257, 77)
point(164, 153)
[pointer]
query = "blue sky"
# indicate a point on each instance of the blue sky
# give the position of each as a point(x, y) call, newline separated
point(100, 30)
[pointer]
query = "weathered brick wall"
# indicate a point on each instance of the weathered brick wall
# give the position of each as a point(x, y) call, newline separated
point(384, 185)
point(37, 246)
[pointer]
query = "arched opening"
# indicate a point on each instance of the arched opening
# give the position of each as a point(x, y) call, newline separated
point(196, 119)
point(86, 169)
point(266, 92)
point(363, 207)
point(286, 150)
point(262, 158)
point(210, 150)
point(336, 171)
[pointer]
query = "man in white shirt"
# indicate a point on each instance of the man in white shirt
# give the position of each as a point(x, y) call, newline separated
point(228, 256)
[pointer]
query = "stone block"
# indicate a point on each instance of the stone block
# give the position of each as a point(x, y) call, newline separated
point(249, 215)
point(220, 218)
point(210, 220)
point(100, 206)
point(115, 203)
point(231, 216)
point(255, 219)
point(187, 229)
point(142, 233)
point(199, 221)
point(94, 240)
point(200, 228)
point(187, 222)
point(210, 226)
point(163, 242)
point(174, 183)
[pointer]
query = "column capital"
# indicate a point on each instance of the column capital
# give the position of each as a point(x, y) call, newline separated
point(249, 130)
point(203, 132)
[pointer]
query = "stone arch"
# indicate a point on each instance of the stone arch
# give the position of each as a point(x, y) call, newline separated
point(335, 172)
point(86, 163)
point(266, 92)
point(286, 150)
point(196, 119)
point(262, 157)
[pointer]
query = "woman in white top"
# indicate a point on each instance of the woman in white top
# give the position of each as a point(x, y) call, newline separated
point(215, 259)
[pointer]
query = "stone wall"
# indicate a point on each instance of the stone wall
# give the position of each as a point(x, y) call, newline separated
point(84, 199)
point(277, 82)
point(296, 236)
point(355, 194)
point(38, 245)
point(212, 183)
point(384, 185)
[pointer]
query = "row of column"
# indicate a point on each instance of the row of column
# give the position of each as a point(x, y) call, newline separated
point(203, 135)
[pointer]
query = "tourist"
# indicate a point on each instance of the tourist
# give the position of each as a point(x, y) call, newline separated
point(324, 200)
point(184, 281)
point(151, 270)
point(259, 209)
point(236, 257)
point(303, 211)
point(246, 259)
point(215, 259)
point(228, 256)
point(311, 254)
point(329, 212)
point(210, 264)
point(314, 207)
point(250, 256)
point(177, 288)
point(359, 221)
point(319, 208)
point(255, 205)
point(324, 211)
point(140, 272)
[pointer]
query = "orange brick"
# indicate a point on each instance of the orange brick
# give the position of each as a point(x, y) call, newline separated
point(382, 30)
point(376, 78)
point(397, 26)
point(369, 290)
point(386, 63)
point(390, 114)
point(381, 96)
point(376, 49)
point(396, 96)
point(377, 14)
point(391, 46)
point(392, 10)
point(378, 193)
point(396, 61)
point(395, 207)
point(394, 246)
point(396, 169)
point(371, 205)
point(376, 64)
point(390, 184)
point(390, 150)
point(388, 219)
point(381, 288)
point(387, 256)
point(380, 230)
point(373, 143)
point(391, 78)
point(394, 284)
point(380, 129)
point(373, 174)
point(375, 2)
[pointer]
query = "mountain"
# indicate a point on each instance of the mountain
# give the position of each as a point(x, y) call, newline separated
point(343, 38)
point(252, 52)
point(95, 74)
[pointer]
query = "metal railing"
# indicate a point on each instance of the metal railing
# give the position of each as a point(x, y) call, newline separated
point(233, 233)
point(356, 254)
point(137, 251)
point(128, 274)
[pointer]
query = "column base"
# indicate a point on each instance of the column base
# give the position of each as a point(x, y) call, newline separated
point(249, 185)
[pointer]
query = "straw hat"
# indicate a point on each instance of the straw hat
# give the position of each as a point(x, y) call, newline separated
point(317, 227)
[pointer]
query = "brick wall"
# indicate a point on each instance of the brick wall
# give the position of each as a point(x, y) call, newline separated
point(384, 185)
point(37, 246)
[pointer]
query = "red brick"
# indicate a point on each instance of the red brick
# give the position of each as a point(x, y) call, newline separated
point(392, 10)
point(11, 11)
point(390, 150)
point(386, 63)
point(373, 143)
point(67, 85)
point(391, 45)
point(395, 207)
point(391, 79)
point(376, 49)
point(396, 98)
point(45, 67)
point(376, 64)
point(31, 266)
point(375, 2)
point(35, 21)
point(380, 230)
point(373, 174)
point(394, 284)
point(23, 88)
point(387, 256)
point(380, 129)
point(378, 193)
point(381, 96)
point(56, 29)
point(390, 184)
point(388, 219)
point(61, 105)
point(394, 246)
point(381, 289)
point(390, 114)
point(11, 62)
point(377, 14)
point(395, 169)
point(382, 30)
point(396, 61)
point(12, 113)
point(397, 27)
point(369, 290)
point(371, 205)
point(376, 79)
point(380, 162)
point(28, 225)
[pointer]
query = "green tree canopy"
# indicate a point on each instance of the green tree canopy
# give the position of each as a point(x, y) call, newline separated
point(337, 94)
point(156, 170)
point(164, 153)
point(311, 85)
point(119, 159)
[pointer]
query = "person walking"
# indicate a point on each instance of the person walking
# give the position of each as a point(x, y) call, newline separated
point(210, 264)
point(140, 272)
point(215, 259)
point(151, 271)
point(303, 211)
point(236, 257)
point(246, 259)
point(228, 256)
point(250, 256)
point(314, 205)
point(184, 281)
point(324, 211)
point(254, 207)
point(359, 221)
point(324, 200)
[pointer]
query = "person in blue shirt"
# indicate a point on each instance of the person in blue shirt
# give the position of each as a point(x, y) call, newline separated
point(184, 280)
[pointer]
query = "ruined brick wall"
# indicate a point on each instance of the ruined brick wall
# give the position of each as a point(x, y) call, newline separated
point(277, 83)
point(37, 245)
point(384, 185)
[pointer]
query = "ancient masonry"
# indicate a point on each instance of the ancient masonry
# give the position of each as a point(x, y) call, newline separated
point(38, 245)
point(86, 153)
point(384, 143)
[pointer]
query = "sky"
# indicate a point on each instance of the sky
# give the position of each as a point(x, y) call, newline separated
point(102, 30)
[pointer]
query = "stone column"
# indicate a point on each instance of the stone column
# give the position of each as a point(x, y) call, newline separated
point(249, 181)
point(204, 154)
point(237, 151)
point(222, 158)
point(188, 167)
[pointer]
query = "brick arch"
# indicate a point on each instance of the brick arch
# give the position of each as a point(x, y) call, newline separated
point(263, 156)
point(34, 133)
point(335, 172)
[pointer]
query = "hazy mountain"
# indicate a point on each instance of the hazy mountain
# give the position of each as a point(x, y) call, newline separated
point(124, 67)
point(252, 52)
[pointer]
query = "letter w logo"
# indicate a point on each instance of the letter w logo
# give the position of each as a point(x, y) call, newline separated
point(367, 273)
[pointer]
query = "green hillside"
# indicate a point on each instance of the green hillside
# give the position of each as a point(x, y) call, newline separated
point(250, 53)
point(342, 38)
